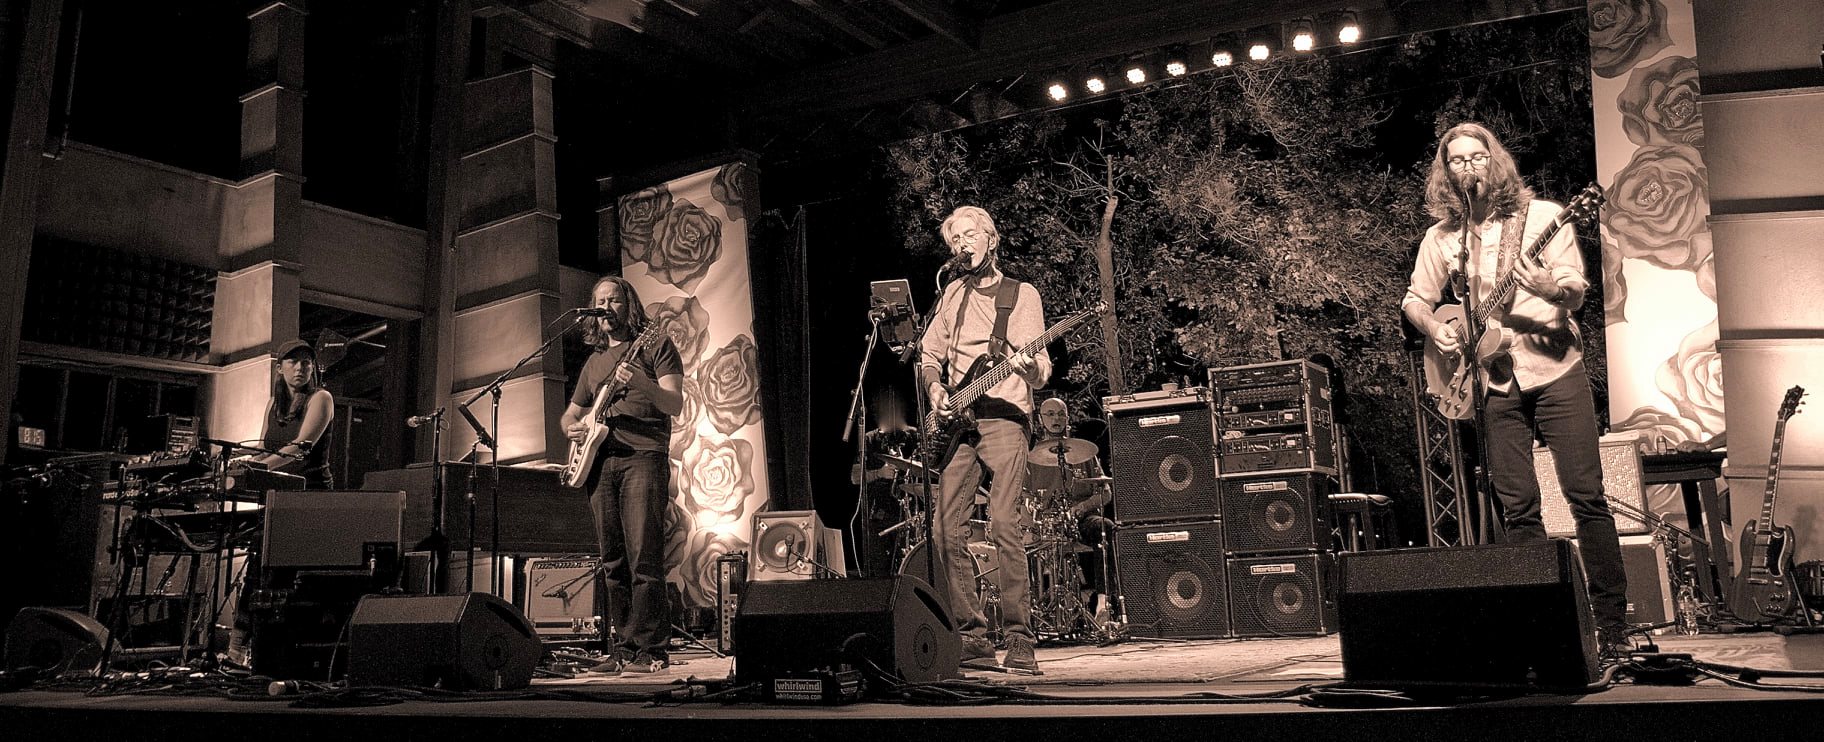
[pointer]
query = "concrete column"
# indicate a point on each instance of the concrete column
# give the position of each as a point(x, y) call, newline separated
point(1764, 152)
point(506, 275)
point(19, 181)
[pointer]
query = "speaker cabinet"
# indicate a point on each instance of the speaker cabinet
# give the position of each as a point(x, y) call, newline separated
point(1173, 579)
point(1621, 481)
point(787, 628)
point(317, 529)
point(56, 641)
point(1285, 595)
point(1507, 616)
point(1162, 449)
point(794, 545)
point(1650, 589)
point(456, 642)
point(1284, 513)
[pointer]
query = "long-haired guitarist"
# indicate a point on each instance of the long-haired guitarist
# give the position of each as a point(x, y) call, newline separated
point(1487, 218)
point(963, 329)
point(630, 476)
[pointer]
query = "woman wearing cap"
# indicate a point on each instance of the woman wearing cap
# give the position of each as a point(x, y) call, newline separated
point(298, 418)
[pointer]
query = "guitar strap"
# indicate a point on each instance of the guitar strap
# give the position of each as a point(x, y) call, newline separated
point(1005, 297)
point(1513, 232)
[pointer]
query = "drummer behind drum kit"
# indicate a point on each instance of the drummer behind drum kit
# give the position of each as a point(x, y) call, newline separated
point(1053, 541)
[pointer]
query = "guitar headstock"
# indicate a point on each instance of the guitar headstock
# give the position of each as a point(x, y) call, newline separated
point(1790, 405)
point(1586, 203)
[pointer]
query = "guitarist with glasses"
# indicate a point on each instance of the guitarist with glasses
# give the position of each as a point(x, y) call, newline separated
point(629, 478)
point(983, 313)
point(1530, 357)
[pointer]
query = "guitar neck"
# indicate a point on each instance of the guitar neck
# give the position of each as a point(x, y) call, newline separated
point(1512, 280)
point(1764, 527)
point(975, 389)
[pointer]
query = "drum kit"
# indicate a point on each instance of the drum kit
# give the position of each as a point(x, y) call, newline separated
point(1062, 608)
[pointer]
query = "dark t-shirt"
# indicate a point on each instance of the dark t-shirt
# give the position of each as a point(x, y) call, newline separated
point(638, 424)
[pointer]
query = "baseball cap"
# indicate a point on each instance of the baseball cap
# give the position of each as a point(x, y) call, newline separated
point(291, 348)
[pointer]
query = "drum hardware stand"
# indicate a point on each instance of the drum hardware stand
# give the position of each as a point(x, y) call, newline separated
point(856, 423)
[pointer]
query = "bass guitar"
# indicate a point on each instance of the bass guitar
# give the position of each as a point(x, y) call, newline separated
point(582, 453)
point(944, 428)
point(1763, 591)
point(1452, 376)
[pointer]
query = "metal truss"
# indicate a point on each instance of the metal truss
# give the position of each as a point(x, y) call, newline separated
point(1442, 474)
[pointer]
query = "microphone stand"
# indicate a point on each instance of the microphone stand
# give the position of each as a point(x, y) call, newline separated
point(438, 543)
point(220, 582)
point(935, 553)
point(1472, 341)
point(483, 437)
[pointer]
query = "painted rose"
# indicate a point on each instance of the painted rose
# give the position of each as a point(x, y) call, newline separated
point(684, 424)
point(1660, 427)
point(677, 533)
point(1659, 105)
point(1657, 206)
point(1614, 285)
point(1706, 274)
point(1623, 32)
point(686, 241)
point(638, 214)
point(1693, 379)
point(698, 573)
point(731, 386)
point(685, 320)
point(738, 189)
point(718, 474)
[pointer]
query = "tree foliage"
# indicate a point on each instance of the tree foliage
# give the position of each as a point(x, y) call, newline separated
point(1267, 213)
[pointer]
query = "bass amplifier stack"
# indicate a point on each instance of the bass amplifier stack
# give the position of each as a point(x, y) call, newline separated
point(1222, 504)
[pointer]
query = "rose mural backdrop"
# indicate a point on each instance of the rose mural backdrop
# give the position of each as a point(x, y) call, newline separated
point(1665, 376)
point(684, 247)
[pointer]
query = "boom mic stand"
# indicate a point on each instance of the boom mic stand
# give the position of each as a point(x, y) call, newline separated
point(857, 424)
point(935, 550)
point(484, 438)
point(1472, 340)
point(438, 543)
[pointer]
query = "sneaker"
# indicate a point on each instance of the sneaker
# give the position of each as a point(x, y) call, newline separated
point(613, 664)
point(647, 663)
point(977, 648)
point(1020, 655)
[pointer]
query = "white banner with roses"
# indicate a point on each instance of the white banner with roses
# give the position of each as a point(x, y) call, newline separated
point(684, 249)
point(1665, 376)
point(1658, 271)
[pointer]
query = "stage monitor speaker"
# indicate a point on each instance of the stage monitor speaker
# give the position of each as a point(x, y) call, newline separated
point(56, 641)
point(1283, 595)
point(455, 642)
point(791, 628)
point(1162, 447)
point(1278, 513)
point(1506, 616)
point(1651, 594)
point(1173, 578)
point(1621, 481)
point(794, 545)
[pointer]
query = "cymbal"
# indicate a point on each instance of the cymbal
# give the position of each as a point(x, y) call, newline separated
point(901, 463)
point(1075, 450)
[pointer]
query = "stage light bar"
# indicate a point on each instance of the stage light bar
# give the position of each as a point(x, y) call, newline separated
point(1136, 75)
point(1175, 69)
point(1095, 85)
point(1222, 58)
point(1057, 91)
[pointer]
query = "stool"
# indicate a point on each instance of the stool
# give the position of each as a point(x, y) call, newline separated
point(1364, 522)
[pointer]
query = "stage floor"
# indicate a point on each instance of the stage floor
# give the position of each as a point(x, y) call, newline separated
point(1138, 688)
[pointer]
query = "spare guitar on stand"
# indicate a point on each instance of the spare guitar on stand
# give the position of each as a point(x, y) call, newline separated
point(1764, 592)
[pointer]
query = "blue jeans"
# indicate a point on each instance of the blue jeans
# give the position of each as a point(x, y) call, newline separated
point(1564, 414)
point(1001, 445)
point(629, 500)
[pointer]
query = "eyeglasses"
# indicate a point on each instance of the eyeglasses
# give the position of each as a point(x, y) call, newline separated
point(1478, 160)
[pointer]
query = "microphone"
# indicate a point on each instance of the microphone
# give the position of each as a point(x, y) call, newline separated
point(591, 312)
point(417, 420)
point(958, 263)
point(1472, 185)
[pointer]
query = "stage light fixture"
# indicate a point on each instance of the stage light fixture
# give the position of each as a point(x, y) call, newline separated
point(1175, 69)
point(1095, 85)
point(1057, 91)
point(1222, 58)
point(1136, 75)
point(1348, 31)
point(1304, 37)
point(1259, 51)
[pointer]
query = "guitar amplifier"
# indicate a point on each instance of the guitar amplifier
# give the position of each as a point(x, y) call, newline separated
point(1621, 483)
point(1161, 447)
point(560, 596)
point(1274, 417)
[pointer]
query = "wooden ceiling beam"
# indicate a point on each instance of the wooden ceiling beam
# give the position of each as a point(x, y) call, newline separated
point(943, 20)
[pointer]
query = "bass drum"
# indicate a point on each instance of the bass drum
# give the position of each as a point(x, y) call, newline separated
point(987, 593)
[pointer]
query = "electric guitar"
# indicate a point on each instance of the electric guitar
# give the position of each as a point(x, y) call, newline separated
point(582, 453)
point(1452, 376)
point(1763, 591)
point(944, 428)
